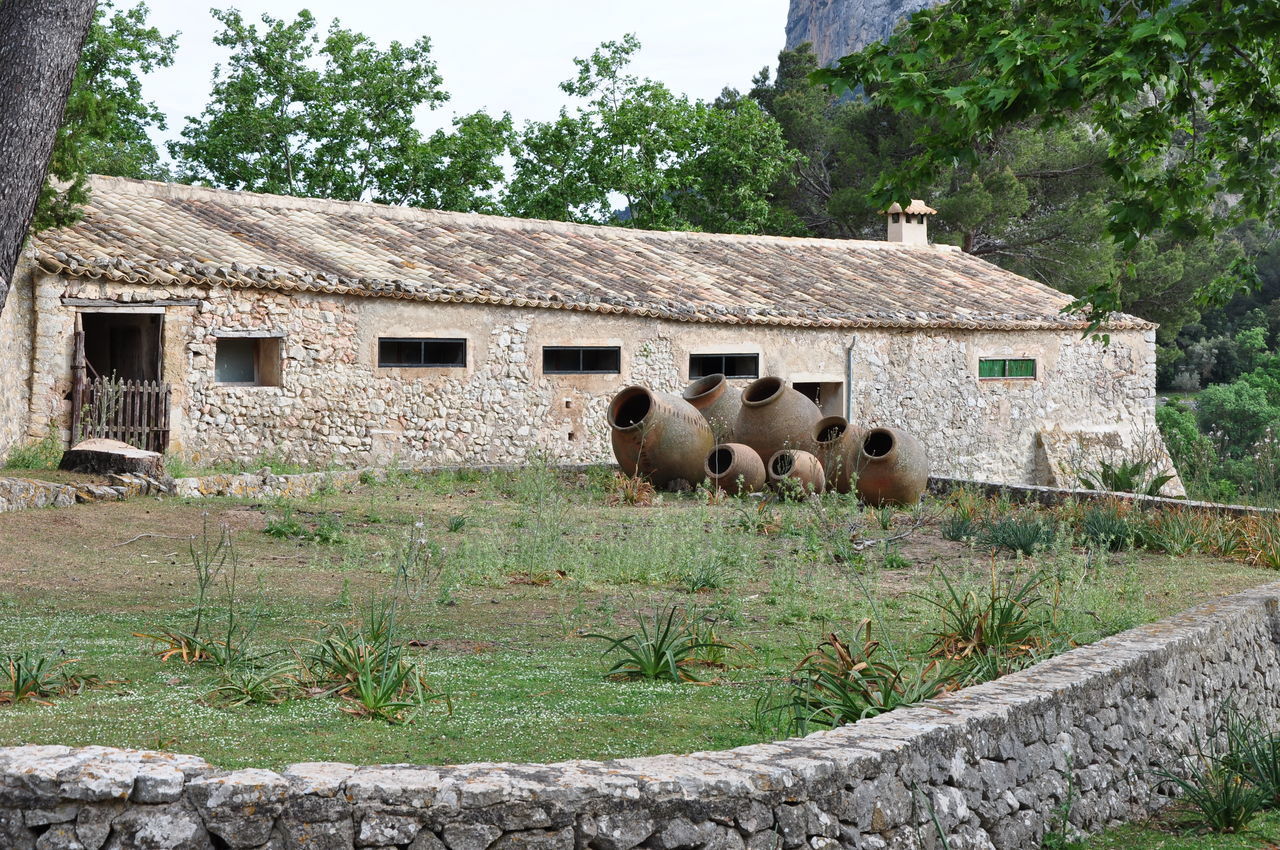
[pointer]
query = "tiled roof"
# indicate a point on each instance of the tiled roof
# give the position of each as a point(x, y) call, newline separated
point(173, 235)
point(916, 207)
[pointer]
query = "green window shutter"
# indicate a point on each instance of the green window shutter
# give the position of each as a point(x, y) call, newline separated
point(1023, 368)
point(991, 368)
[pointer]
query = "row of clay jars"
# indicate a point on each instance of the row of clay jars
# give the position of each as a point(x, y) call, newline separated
point(737, 468)
point(774, 417)
point(886, 466)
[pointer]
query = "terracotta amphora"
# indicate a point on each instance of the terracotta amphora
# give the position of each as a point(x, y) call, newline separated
point(735, 468)
point(775, 417)
point(837, 447)
point(658, 435)
point(893, 468)
point(719, 403)
point(794, 472)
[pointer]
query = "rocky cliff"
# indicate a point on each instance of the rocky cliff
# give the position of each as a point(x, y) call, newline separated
point(839, 27)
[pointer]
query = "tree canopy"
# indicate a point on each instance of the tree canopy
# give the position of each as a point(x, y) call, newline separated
point(670, 162)
point(295, 114)
point(1184, 96)
point(105, 127)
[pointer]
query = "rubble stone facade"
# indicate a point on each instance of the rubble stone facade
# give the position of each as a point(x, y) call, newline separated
point(335, 405)
point(981, 768)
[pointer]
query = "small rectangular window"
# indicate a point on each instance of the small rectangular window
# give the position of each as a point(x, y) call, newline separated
point(397, 352)
point(248, 361)
point(1016, 367)
point(729, 365)
point(581, 360)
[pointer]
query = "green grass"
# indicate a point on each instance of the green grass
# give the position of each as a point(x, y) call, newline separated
point(498, 610)
point(1263, 832)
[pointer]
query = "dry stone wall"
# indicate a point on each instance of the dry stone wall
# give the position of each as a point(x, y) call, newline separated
point(991, 764)
point(334, 405)
point(15, 363)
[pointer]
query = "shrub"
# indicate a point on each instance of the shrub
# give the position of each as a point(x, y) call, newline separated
point(664, 648)
point(45, 453)
point(1104, 526)
point(960, 528)
point(1239, 409)
point(838, 683)
point(633, 490)
point(1176, 532)
point(29, 675)
point(268, 685)
point(1023, 531)
point(992, 629)
point(1137, 475)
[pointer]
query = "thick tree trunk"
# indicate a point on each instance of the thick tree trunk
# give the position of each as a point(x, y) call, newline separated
point(40, 42)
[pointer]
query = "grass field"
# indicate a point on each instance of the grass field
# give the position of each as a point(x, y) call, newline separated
point(498, 582)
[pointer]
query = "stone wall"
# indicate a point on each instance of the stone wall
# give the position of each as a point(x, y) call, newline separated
point(990, 763)
point(15, 361)
point(334, 404)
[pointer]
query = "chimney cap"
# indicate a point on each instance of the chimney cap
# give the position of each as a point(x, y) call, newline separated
point(916, 207)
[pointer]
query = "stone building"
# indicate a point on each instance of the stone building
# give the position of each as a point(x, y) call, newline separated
point(346, 333)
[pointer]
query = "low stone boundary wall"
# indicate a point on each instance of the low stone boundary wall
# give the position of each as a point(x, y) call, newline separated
point(989, 763)
point(1052, 496)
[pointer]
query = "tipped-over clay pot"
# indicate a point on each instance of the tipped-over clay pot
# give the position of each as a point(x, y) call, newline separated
point(658, 435)
point(775, 417)
point(893, 468)
point(719, 403)
point(792, 470)
point(735, 468)
point(837, 444)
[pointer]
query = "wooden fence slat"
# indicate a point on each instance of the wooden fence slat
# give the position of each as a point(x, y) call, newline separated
point(133, 411)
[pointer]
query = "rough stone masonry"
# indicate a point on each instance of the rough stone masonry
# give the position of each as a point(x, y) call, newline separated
point(990, 764)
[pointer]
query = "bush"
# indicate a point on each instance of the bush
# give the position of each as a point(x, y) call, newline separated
point(45, 453)
point(1239, 411)
point(664, 648)
point(1023, 532)
point(1104, 526)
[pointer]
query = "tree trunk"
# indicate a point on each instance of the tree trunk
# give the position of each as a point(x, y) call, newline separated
point(40, 42)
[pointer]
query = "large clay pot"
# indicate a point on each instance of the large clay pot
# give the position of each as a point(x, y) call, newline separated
point(837, 446)
point(718, 402)
point(775, 417)
point(893, 468)
point(793, 465)
point(658, 435)
point(735, 468)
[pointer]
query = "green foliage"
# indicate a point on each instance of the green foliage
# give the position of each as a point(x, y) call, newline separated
point(677, 164)
point(665, 648)
point(993, 630)
point(45, 453)
point(1136, 475)
point(37, 677)
point(1216, 778)
point(1181, 91)
point(240, 685)
point(1025, 532)
point(105, 129)
point(1241, 411)
point(1104, 526)
point(295, 114)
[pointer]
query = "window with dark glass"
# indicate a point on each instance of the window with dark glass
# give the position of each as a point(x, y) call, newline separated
point(1010, 367)
point(581, 360)
point(729, 365)
point(394, 352)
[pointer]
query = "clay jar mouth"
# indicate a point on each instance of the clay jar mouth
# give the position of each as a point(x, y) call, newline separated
point(630, 408)
point(705, 390)
point(762, 391)
point(878, 444)
point(782, 463)
point(830, 430)
point(721, 460)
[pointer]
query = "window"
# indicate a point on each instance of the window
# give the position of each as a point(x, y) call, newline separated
point(827, 395)
point(581, 360)
point(421, 352)
point(729, 365)
point(1016, 367)
point(248, 361)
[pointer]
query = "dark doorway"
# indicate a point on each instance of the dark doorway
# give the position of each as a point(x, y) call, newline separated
point(125, 346)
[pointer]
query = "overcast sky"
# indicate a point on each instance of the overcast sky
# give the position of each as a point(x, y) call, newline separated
point(502, 55)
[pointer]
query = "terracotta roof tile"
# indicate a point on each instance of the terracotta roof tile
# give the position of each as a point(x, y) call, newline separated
point(167, 234)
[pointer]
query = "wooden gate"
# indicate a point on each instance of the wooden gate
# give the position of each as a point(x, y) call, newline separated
point(133, 412)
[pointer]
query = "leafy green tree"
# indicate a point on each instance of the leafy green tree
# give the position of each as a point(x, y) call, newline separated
point(1240, 411)
point(295, 114)
point(1182, 92)
point(672, 162)
point(105, 129)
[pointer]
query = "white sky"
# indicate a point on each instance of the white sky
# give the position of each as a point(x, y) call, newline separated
point(501, 55)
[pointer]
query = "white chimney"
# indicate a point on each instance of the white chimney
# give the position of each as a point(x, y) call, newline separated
point(908, 226)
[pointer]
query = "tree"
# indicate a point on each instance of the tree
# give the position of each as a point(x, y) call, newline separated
point(40, 42)
point(106, 124)
point(292, 114)
point(671, 162)
point(1182, 92)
